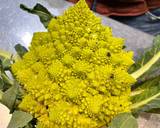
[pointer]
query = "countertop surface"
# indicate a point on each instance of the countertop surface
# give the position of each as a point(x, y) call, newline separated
point(17, 26)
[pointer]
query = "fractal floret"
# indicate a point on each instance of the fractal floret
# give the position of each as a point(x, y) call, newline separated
point(75, 74)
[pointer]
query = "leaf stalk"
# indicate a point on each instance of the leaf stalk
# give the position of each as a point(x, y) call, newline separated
point(146, 67)
point(139, 104)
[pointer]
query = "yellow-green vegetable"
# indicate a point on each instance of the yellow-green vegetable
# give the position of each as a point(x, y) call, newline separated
point(75, 74)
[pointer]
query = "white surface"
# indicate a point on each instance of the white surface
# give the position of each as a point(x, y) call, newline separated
point(4, 116)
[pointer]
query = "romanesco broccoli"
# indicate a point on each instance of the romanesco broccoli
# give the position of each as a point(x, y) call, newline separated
point(75, 74)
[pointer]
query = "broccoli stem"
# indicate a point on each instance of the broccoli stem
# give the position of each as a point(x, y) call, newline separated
point(139, 104)
point(146, 67)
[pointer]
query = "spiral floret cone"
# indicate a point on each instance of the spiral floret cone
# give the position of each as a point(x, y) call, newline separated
point(75, 74)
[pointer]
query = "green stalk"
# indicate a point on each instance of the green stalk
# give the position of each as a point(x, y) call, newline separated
point(5, 77)
point(5, 54)
point(1, 94)
point(137, 105)
point(146, 67)
point(134, 93)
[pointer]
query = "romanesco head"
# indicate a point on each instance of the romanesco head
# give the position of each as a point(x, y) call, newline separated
point(75, 74)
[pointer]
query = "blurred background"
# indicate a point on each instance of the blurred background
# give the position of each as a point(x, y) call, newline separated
point(141, 14)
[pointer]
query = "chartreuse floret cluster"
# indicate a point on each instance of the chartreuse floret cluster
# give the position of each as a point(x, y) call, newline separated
point(75, 74)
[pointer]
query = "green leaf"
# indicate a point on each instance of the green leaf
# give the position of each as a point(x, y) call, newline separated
point(19, 119)
point(143, 57)
point(6, 64)
point(3, 74)
point(1, 94)
point(124, 120)
point(44, 15)
point(1, 84)
point(32, 123)
point(21, 50)
point(29, 126)
point(1, 67)
point(9, 97)
point(20, 93)
point(149, 99)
